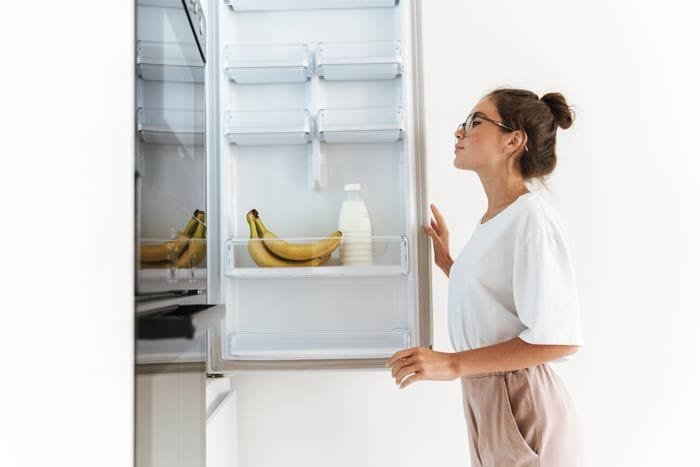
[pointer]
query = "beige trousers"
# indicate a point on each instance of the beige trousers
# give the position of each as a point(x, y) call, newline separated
point(522, 418)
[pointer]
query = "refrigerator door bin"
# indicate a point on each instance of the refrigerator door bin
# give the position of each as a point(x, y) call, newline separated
point(358, 60)
point(324, 345)
point(170, 126)
point(360, 125)
point(253, 128)
point(169, 61)
point(184, 271)
point(273, 63)
point(389, 258)
point(179, 321)
point(263, 5)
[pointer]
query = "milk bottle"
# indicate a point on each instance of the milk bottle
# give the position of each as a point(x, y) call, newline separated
point(356, 243)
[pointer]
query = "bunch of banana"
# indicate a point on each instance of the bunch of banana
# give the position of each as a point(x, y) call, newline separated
point(190, 240)
point(196, 247)
point(267, 251)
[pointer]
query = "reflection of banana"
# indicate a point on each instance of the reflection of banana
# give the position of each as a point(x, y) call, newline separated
point(298, 251)
point(196, 248)
point(263, 257)
point(169, 251)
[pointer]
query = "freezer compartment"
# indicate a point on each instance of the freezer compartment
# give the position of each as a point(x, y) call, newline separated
point(169, 61)
point(263, 5)
point(267, 63)
point(172, 265)
point(260, 128)
point(358, 60)
point(292, 346)
point(389, 258)
point(170, 126)
point(360, 125)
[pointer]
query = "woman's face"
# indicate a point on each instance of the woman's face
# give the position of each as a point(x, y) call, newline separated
point(483, 147)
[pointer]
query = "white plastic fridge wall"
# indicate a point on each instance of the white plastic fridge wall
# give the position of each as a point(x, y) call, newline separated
point(313, 317)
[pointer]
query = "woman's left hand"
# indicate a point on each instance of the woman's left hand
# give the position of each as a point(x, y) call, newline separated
point(424, 364)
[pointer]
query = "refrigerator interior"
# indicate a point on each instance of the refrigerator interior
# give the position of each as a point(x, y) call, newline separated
point(170, 155)
point(311, 100)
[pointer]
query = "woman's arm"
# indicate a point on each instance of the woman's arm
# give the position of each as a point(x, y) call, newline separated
point(514, 354)
point(422, 363)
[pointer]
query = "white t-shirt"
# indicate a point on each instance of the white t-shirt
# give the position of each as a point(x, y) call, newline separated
point(515, 278)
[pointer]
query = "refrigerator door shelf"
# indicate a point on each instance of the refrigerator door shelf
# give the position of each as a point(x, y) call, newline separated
point(173, 274)
point(313, 346)
point(389, 258)
point(265, 5)
point(169, 61)
point(179, 321)
point(251, 128)
point(169, 279)
point(273, 63)
point(171, 126)
point(360, 125)
point(358, 60)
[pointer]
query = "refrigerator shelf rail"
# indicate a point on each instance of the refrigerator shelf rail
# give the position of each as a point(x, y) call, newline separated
point(366, 60)
point(267, 63)
point(170, 126)
point(267, 5)
point(328, 345)
point(262, 128)
point(389, 258)
point(360, 125)
point(169, 61)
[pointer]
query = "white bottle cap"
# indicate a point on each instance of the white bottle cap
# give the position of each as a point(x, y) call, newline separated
point(353, 187)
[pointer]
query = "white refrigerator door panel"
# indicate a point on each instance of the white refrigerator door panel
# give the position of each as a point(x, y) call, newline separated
point(363, 127)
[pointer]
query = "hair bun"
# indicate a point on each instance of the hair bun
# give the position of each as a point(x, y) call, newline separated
point(560, 109)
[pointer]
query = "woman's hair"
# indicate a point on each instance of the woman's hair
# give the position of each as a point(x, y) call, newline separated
point(539, 118)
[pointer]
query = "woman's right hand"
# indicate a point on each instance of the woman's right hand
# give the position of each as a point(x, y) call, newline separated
point(441, 240)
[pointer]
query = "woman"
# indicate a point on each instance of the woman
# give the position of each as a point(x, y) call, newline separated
point(512, 301)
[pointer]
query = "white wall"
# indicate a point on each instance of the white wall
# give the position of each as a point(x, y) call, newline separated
point(623, 187)
point(66, 191)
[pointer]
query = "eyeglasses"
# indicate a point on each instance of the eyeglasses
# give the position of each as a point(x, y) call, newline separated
point(475, 118)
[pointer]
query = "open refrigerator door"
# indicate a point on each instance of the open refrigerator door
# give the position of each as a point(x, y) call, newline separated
point(315, 112)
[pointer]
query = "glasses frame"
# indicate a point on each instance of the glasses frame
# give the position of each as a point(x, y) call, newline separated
point(463, 126)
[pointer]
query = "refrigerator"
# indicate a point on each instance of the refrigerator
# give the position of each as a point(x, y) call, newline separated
point(272, 107)
point(303, 98)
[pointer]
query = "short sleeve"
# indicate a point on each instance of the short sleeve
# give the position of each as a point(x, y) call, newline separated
point(545, 292)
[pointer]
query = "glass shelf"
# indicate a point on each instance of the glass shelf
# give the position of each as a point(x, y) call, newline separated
point(169, 61)
point(360, 125)
point(358, 60)
point(252, 128)
point(170, 126)
point(389, 258)
point(319, 345)
point(272, 63)
point(264, 5)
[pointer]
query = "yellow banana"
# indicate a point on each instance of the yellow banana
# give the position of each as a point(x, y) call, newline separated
point(196, 248)
point(263, 257)
point(298, 251)
point(169, 251)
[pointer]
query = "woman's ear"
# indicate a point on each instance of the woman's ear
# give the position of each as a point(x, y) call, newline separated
point(517, 140)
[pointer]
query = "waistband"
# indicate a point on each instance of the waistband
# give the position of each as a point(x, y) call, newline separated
point(542, 366)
